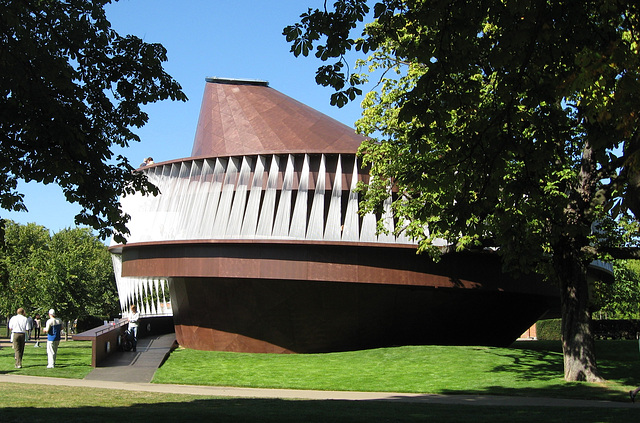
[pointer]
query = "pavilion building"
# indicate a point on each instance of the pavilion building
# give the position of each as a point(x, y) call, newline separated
point(255, 244)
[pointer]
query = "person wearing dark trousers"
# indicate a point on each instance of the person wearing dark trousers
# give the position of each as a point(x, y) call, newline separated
point(19, 326)
point(134, 316)
point(37, 325)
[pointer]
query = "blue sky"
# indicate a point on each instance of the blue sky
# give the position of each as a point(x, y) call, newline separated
point(229, 39)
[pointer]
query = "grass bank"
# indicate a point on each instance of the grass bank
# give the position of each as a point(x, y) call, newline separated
point(528, 368)
point(54, 403)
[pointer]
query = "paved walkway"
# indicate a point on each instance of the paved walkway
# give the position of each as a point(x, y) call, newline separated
point(135, 366)
point(132, 371)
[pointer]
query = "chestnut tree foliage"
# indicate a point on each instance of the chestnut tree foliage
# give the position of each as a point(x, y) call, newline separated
point(70, 271)
point(620, 299)
point(71, 89)
point(505, 125)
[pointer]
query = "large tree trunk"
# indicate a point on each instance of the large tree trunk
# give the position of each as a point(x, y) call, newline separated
point(571, 269)
point(577, 340)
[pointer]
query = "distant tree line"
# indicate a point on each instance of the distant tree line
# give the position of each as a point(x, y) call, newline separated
point(70, 271)
point(620, 299)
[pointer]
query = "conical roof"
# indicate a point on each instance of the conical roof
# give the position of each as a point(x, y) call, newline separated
point(247, 117)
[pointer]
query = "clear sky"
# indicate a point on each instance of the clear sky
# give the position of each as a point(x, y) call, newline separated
point(228, 39)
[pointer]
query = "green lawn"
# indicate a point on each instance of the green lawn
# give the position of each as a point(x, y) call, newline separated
point(73, 360)
point(31, 403)
point(527, 368)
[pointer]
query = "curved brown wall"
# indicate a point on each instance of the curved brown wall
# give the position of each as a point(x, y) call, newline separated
point(279, 297)
point(290, 292)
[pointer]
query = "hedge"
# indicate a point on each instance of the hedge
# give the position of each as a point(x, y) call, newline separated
point(549, 330)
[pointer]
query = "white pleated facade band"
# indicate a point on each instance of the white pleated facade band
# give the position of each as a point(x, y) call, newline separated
point(150, 295)
point(275, 197)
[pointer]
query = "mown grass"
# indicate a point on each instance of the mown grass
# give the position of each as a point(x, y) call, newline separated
point(73, 360)
point(527, 368)
point(531, 368)
point(34, 403)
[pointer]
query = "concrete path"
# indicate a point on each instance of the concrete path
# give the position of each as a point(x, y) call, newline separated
point(216, 391)
point(132, 371)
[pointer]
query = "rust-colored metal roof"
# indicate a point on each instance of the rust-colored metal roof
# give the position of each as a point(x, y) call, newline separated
point(246, 117)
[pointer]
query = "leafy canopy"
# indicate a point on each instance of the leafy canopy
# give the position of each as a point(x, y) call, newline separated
point(620, 299)
point(70, 271)
point(502, 124)
point(71, 89)
point(499, 124)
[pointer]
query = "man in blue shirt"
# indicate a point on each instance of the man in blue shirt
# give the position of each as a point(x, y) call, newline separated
point(53, 330)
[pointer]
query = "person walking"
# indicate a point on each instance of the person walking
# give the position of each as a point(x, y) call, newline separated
point(134, 316)
point(19, 327)
point(30, 320)
point(53, 329)
point(37, 325)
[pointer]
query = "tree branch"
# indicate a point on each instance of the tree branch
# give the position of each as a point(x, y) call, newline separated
point(621, 253)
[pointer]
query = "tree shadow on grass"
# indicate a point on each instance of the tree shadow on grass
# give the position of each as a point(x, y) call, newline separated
point(282, 411)
point(578, 391)
point(542, 361)
point(532, 361)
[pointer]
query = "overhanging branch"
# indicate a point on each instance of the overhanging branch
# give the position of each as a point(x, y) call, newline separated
point(621, 253)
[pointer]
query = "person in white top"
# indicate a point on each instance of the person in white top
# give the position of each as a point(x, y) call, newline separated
point(19, 326)
point(134, 316)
